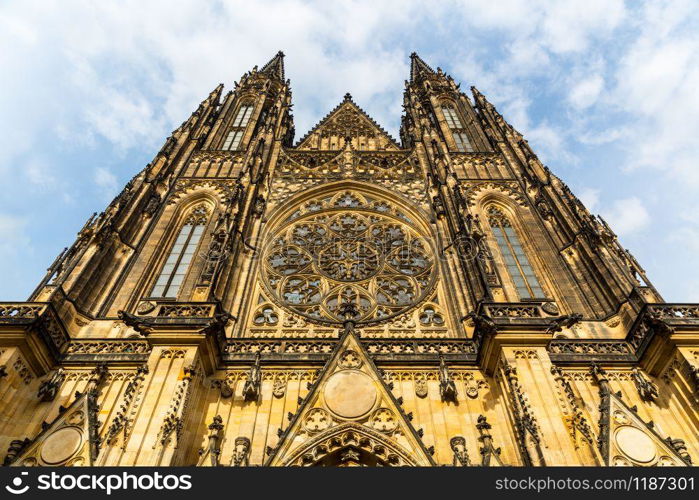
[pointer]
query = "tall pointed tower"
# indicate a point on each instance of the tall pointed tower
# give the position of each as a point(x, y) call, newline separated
point(347, 300)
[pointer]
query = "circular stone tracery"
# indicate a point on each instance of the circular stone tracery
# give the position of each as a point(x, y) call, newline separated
point(348, 250)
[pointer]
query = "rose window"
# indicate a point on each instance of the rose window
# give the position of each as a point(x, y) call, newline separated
point(348, 250)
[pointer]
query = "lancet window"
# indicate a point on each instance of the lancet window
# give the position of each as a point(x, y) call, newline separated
point(516, 261)
point(180, 257)
point(458, 131)
point(240, 122)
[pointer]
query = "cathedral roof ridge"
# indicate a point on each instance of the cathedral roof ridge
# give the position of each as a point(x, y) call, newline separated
point(347, 98)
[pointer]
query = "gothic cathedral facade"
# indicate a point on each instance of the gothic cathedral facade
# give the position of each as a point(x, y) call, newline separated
point(347, 300)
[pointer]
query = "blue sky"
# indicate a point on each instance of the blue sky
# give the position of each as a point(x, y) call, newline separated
point(605, 91)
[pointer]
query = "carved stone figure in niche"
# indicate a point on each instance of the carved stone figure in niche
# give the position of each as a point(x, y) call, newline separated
point(253, 384)
point(279, 388)
point(472, 389)
point(215, 437)
point(225, 388)
point(241, 453)
point(421, 388)
point(447, 386)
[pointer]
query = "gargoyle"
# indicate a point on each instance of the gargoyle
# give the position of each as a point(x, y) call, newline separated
point(562, 322)
point(144, 326)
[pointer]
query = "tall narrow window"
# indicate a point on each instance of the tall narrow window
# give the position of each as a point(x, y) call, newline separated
point(458, 131)
point(513, 254)
point(235, 134)
point(181, 253)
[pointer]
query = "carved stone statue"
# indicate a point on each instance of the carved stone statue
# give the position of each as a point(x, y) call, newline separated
point(251, 389)
point(447, 386)
point(215, 436)
point(241, 452)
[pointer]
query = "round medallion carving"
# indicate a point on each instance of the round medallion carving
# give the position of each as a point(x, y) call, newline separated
point(61, 445)
point(350, 394)
point(550, 308)
point(635, 444)
point(145, 307)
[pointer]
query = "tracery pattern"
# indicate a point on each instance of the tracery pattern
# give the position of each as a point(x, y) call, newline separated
point(348, 248)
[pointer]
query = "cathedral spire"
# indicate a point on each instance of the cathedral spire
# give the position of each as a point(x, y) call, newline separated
point(418, 67)
point(275, 67)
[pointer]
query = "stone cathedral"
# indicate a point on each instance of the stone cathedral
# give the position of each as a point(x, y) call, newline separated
point(347, 299)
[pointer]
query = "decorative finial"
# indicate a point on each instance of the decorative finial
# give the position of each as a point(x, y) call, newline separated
point(348, 96)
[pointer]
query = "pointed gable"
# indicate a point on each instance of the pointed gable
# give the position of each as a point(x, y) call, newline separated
point(625, 439)
point(348, 120)
point(350, 417)
point(70, 440)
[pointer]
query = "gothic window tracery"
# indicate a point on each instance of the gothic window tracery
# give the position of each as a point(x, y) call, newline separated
point(183, 249)
point(240, 122)
point(458, 131)
point(516, 261)
point(348, 248)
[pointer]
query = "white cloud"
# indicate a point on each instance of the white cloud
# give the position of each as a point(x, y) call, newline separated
point(585, 93)
point(570, 26)
point(106, 180)
point(589, 198)
point(627, 216)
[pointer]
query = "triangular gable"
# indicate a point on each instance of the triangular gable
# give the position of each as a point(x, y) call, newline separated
point(70, 440)
point(350, 417)
point(626, 440)
point(347, 120)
